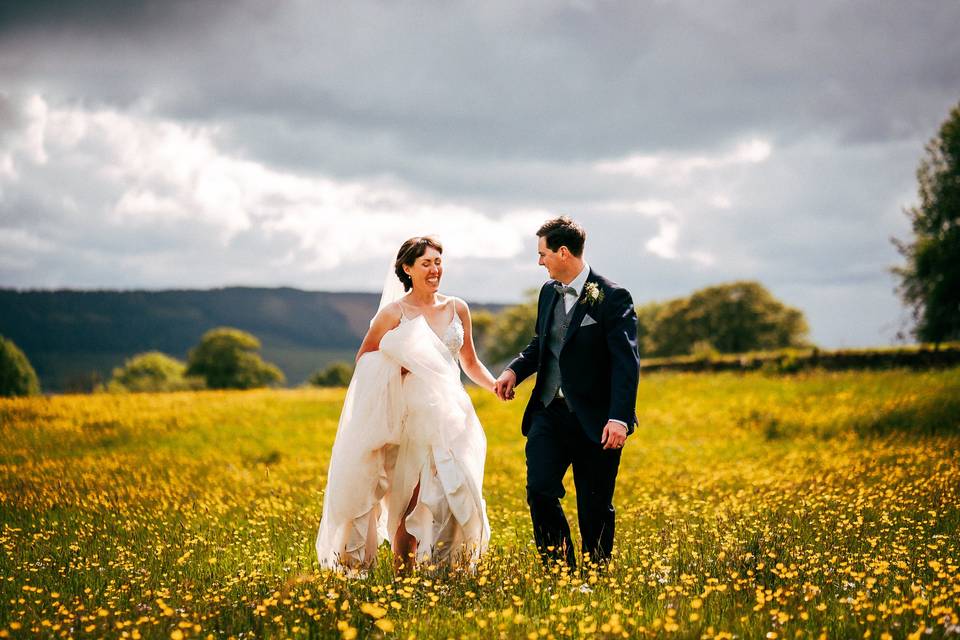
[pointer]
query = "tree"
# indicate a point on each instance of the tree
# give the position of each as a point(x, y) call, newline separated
point(930, 281)
point(153, 371)
point(226, 358)
point(17, 377)
point(337, 374)
point(481, 321)
point(511, 330)
point(646, 323)
point(730, 318)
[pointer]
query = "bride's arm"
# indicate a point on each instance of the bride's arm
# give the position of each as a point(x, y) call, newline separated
point(387, 319)
point(471, 364)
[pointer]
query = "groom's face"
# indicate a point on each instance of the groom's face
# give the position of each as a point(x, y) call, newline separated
point(549, 258)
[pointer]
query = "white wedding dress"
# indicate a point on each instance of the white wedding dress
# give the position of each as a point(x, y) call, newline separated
point(395, 431)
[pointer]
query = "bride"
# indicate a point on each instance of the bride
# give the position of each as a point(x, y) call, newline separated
point(407, 461)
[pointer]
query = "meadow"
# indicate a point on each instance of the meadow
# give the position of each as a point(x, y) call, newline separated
point(748, 506)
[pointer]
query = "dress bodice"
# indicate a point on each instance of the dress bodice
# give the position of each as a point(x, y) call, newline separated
point(452, 336)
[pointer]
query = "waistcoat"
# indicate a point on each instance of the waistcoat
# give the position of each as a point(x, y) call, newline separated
point(550, 368)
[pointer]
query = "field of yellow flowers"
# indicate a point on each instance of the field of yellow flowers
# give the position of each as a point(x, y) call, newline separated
point(748, 506)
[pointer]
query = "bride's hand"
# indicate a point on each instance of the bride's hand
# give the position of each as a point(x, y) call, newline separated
point(503, 387)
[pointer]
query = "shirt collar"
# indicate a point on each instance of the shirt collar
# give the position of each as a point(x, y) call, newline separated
point(581, 278)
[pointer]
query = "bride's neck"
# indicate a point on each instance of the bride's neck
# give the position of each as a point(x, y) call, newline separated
point(423, 298)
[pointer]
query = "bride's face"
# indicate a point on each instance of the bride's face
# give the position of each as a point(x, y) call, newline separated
point(426, 271)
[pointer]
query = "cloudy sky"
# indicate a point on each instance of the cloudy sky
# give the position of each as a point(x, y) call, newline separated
point(179, 144)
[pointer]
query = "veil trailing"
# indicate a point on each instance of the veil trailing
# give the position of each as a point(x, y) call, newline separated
point(392, 289)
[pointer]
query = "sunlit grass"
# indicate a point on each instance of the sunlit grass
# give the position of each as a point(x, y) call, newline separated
point(748, 506)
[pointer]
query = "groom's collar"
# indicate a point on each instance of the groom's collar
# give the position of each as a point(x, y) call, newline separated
point(581, 279)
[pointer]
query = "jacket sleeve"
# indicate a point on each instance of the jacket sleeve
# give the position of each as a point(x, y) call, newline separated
point(621, 336)
point(528, 361)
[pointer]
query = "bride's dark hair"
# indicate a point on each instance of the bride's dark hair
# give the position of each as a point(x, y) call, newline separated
point(408, 254)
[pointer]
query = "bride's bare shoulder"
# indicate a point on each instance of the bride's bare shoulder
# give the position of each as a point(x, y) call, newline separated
point(461, 306)
point(388, 317)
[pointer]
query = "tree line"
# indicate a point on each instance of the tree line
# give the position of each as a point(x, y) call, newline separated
point(741, 316)
point(225, 358)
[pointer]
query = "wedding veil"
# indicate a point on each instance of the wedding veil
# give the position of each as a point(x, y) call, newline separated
point(392, 289)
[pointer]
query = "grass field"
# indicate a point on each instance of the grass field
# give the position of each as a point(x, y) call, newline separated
point(748, 506)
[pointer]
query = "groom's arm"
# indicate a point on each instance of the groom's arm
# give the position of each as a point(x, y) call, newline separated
point(621, 336)
point(526, 364)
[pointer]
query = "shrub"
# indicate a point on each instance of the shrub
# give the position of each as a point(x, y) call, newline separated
point(226, 358)
point(153, 371)
point(17, 377)
point(337, 374)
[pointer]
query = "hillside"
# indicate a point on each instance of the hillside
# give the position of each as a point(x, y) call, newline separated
point(74, 337)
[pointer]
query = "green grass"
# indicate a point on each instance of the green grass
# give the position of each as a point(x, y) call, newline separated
point(748, 505)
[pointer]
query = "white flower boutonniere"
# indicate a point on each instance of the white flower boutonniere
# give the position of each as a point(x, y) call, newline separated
point(592, 295)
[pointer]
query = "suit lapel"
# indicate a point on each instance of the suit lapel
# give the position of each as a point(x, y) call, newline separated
point(579, 310)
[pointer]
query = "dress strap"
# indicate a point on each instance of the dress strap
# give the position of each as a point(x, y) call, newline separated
point(456, 316)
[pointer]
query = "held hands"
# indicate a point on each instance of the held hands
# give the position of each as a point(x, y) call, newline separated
point(503, 387)
point(614, 435)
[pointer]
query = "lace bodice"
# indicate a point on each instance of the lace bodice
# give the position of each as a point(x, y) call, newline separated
point(452, 337)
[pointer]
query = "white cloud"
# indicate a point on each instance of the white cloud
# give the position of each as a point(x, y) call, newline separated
point(145, 173)
point(19, 239)
point(664, 244)
point(681, 168)
point(655, 208)
point(721, 201)
point(685, 190)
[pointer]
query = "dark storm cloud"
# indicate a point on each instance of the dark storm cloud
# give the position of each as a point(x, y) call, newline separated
point(495, 108)
point(103, 17)
point(548, 80)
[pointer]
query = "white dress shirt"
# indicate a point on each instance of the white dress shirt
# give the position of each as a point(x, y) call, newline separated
point(570, 299)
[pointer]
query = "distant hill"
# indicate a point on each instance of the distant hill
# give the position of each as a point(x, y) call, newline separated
point(74, 338)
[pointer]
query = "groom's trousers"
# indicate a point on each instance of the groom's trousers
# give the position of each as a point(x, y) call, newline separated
point(554, 443)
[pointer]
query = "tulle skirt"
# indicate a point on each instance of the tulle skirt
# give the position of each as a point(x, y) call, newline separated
point(395, 432)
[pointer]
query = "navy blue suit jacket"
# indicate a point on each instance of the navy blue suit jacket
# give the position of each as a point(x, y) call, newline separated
point(599, 361)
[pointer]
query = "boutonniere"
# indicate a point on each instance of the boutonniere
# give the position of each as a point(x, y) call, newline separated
point(592, 294)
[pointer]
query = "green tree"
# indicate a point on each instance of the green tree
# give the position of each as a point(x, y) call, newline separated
point(226, 358)
point(930, 281)
point(153, 371)
point(17, 377)
point(481, 321)
point(337, 374)
point(511, 330)
point(646, 322)
point(730, 318)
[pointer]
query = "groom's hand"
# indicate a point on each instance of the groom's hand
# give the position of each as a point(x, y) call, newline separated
point(614, 435)
point(503, 387)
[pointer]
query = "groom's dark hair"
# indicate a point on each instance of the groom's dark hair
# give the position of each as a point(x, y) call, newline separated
point(563, 232)
point(408, 254)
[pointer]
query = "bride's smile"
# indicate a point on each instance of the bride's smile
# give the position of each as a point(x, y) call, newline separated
point(427, 271)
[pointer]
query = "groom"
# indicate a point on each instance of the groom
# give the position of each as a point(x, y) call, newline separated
point(584, 352)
